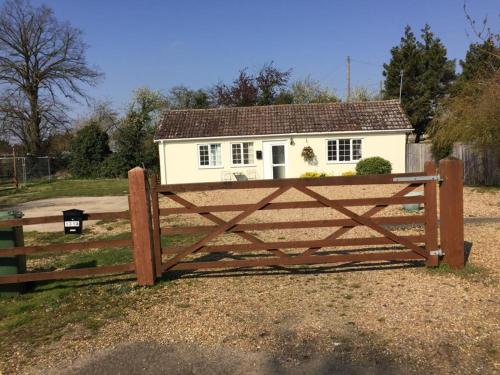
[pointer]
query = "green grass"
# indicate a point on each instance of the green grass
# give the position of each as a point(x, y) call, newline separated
point(65, 188)
point(470, 271)
point(53, 309)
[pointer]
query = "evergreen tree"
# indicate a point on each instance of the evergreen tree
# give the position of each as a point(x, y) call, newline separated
point(481, 61)
point(427, 75)
point(88, 149)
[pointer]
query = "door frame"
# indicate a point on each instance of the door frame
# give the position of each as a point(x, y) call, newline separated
point(267, 157)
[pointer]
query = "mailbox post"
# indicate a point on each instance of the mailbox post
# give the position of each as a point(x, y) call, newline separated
point(73, 220)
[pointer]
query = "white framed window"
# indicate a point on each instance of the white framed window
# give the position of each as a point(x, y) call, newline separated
point(242, 153)
point(209, 155)
point(343, 150)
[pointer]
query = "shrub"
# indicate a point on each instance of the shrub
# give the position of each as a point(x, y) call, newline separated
point(88, 149)
point(313, 174)
point(374, 165)
point(349, 173)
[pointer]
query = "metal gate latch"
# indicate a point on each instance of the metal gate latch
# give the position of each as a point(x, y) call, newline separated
point(436, 252)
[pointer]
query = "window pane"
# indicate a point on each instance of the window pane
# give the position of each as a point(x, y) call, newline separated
point(356, 149)
point(344, 149)
point(236, 153)
point(278, 154)
point(203, 151)
point(248, 153)
point(215, 154)
point(332, 151)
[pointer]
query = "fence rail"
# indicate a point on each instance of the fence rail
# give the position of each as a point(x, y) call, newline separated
point(63, 248)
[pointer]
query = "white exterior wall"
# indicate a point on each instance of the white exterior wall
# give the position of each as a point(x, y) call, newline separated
point(179, 158)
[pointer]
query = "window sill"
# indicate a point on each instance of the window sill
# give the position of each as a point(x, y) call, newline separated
point(343, 162)
point(209, 167)
point(243, 165)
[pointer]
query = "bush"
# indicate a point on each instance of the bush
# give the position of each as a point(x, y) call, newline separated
point(374, 165)
point(313, 174)
point(349, 173)
point(88, 149)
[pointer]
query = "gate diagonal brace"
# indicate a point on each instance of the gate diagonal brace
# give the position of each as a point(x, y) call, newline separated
point(372, 211)
point(217, 220)
point(364, 221)
point(224, 227)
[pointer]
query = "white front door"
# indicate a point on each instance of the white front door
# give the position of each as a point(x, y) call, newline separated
point(275, 159)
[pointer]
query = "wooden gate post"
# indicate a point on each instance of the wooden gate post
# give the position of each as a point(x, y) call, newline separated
point(451, 206)
point(141, 226)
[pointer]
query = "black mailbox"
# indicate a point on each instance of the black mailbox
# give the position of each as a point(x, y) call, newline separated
point(73, 221)
point(259, 155)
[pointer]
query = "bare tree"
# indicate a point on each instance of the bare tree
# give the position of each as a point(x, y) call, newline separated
point(42, 63)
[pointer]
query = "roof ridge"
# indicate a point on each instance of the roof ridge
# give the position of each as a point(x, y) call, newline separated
point(281, 105)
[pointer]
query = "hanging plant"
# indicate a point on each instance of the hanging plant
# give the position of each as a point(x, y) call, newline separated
point(308, 153)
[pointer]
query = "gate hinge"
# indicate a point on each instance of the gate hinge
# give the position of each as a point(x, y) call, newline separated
point(438, 252)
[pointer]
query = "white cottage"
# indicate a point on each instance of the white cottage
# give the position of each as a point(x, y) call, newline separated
point(265, 142)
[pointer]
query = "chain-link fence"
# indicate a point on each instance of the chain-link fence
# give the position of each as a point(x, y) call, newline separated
point(20, 170)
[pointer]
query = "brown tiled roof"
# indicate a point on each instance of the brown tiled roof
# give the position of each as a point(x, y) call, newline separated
point(282, 119)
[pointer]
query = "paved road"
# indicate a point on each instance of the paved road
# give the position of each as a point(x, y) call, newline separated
point(153, 358)
point(55, 206)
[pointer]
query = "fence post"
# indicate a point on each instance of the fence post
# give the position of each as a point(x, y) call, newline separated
point(431, 222)
point(141, 226)
point(451, 207)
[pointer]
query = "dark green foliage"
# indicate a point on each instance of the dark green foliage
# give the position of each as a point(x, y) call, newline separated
point(441, 151)
point(374, 165)
point(88, 150)
point(481, 61)
point(134, 137)
point(427, 75)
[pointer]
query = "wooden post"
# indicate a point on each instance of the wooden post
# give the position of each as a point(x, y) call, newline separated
point(431, 220)
point(451, 208)
point(156, 225)
point(141, 226)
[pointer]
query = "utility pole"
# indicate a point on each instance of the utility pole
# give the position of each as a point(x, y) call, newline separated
point(348, 79)
point(400, 85)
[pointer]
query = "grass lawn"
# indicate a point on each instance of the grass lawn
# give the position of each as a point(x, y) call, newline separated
point(65, 188)
point(53, 309)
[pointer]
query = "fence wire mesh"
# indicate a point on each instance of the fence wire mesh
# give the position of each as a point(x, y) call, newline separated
point(21, 170)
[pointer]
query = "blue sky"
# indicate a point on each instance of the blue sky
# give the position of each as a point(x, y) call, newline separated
point(197, 43)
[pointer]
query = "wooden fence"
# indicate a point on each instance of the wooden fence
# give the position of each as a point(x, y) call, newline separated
point(151, 260)
point(481, 167)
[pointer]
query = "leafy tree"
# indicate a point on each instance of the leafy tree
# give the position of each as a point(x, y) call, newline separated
point(88, 150)
point(262, 89)
point(181, 97)
point(41, 60)
point(363, 94)
point(427, 75)
point(270, 82)
point(470, 116)
point(310, 91)
point(134, 137)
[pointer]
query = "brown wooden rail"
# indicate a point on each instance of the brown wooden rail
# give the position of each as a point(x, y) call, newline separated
point(65, 247)
point(60, 219)
point(259, 184)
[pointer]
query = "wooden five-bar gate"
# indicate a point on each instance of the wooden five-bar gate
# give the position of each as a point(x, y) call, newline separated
point(150, 224)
